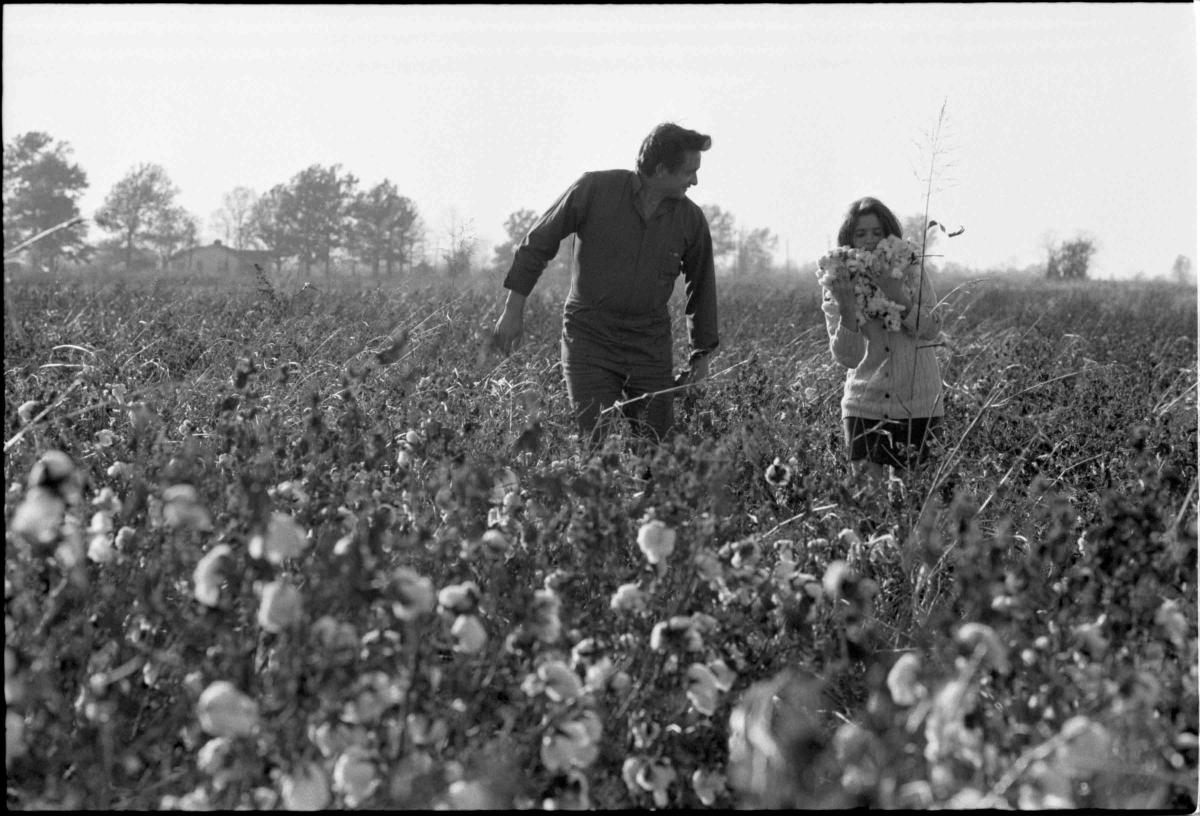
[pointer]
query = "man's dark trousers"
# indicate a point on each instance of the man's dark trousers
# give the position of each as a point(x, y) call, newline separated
point(621, 359)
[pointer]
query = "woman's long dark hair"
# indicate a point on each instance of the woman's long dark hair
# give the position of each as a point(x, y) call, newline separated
point(867, 206)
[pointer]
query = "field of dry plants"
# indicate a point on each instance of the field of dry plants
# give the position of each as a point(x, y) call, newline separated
point(267, 549)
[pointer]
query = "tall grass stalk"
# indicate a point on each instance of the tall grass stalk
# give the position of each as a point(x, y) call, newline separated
point(934, 170)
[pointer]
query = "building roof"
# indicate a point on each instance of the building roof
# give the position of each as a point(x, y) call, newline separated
point(243, 254)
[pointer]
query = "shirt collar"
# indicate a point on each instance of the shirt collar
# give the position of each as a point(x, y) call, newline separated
point(637, 184)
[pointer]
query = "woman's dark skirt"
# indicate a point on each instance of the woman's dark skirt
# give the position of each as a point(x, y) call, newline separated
point(900, 443)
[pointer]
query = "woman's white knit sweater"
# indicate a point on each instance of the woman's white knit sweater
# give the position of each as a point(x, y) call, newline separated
point(893, 375)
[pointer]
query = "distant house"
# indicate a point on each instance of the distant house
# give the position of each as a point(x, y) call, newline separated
point(218, 259)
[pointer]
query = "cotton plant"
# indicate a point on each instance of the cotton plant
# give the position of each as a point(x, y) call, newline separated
point(224, 711)
point(653, 776)
point(705, 684)
point(554, 680)
point(643, 644)
point(283, 539)
point(572, 741)
point(306, 788)
point(281, 607)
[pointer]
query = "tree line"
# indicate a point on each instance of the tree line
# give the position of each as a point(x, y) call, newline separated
point(321, 219)
point(319, 212)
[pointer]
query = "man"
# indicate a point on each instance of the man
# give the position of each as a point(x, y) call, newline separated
point(636, 232)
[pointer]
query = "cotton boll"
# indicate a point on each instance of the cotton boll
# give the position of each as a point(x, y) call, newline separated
point(656, 541)
point(224, 711)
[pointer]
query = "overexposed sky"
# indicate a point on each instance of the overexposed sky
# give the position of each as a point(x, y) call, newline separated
point(1061, 119)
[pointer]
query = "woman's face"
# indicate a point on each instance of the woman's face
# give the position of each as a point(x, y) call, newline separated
point(867, 232)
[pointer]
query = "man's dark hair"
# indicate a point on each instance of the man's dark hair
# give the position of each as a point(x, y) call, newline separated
point(667, 145)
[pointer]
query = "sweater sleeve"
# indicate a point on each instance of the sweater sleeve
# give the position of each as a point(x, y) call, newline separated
point(924, 322)
point(848, 346)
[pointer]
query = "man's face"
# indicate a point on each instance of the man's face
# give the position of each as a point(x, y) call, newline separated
point(675, 185)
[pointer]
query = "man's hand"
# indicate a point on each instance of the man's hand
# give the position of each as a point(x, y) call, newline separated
point(506, 336)
point(696, 372)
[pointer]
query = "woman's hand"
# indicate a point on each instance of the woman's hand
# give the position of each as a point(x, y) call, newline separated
point(893, 290)
point(843, 292)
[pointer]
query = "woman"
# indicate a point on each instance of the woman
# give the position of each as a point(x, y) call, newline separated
point(892, 399)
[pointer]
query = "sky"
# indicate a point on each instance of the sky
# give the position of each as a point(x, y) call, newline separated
point(1057, 120)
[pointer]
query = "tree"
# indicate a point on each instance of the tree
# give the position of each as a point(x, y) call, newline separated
point(385, 228)
point(314, 214)
point(747, 250)
point(516, 227)
point(41, 190)
point(172, 229)
point(134, 208)
point(264, 226)
point(754, 251)
point(913, 228)
point(721, 228)
point(233, 219)
point(462, 241)
point(1181, 271)
point(1070, 260)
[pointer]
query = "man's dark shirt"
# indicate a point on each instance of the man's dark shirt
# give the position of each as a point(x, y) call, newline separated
point(626, 266)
